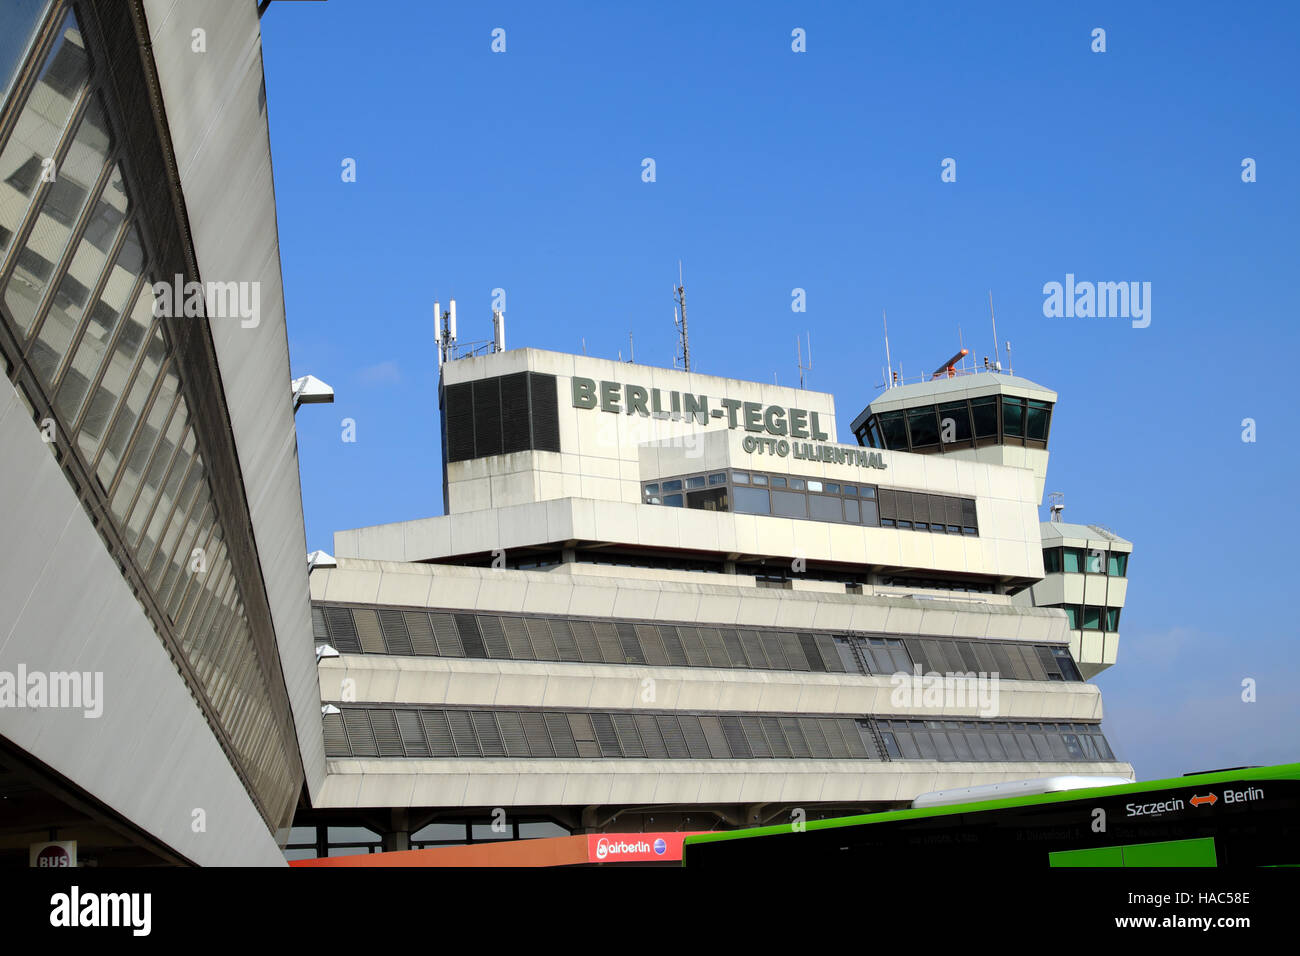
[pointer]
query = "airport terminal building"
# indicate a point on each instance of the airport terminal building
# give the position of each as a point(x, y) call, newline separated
point(661, 600)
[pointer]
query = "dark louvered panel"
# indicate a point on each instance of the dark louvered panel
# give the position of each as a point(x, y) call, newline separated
point(627, 639)
point(584, 735)
point(396, 637)
point(794, 737)
point(753, 649)
point(669, 636)
point(447, 634)
point(674, 740)
point(521, 649)
point(775, 738)
point(470, 638)
point(437, 729)
point(462, 733)
point(384, 724)
point(735, 737)
point(628, 737)
point(585, 636)
point(735, 650)
point(830, 656)
point(489, 738)
point(605, 735)
point(458, 421)
point(361, 740)
point(512, 733)
point(696, 743)
point(494, 638)
point(318, 629)
point(693, 643)
point(651, 738)
point(408, 724)
point(712, 638)
point(718, 748)
point(487, 417)
point(808, 643)
point(888, 503)
point(421, 632)
point(515, 431)
point(774, 650)
point(952, 510)
point(755, 737)
point(565, 645)
point(834, 739)
point(794, 655)
point(539, 631)
point(336, 737)
point(968, 514)
point(561, 735)
point(539, 741)
point(343, 632)
point(815, 738)
point(546, 418)
point(611, 650)
point(853, 736)
point(651, 645)
point(904, 505)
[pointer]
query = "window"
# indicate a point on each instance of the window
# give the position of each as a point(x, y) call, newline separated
point(741, 477)
point(1092, 618)
point(752, 501)
point(954, 423)
point(675, 485)
point(1093, 562)
point(1051, 560)
point(789, 504)
point(778, 481)
point(1013, 416)
point(718, 478)
point(1073, 561)
point(924, 426)
point(825, 508)
point(696, 481)
point(1037, 419)
point(759, 479)
point(1112, 619)
point(1117, 564)
point(673, 501)
point(984, 415)
point(1072, 616)
point(893, 430)
point(652, 489)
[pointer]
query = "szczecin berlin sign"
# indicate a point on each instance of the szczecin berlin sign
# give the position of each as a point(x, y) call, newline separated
point(773, 420)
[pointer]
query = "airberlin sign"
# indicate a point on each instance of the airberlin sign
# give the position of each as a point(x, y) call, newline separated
point(777, 426)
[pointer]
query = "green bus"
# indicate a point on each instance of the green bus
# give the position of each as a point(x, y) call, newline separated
point(1242, 817)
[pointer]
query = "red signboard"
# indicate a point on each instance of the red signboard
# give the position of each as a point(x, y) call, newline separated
point(636, 847)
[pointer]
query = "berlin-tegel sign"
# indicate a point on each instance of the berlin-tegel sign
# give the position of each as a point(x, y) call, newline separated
point(779, 427)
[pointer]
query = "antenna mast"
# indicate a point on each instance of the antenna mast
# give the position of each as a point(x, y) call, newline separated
point(997, 358)
point(798, 348)
point(679, 319)
point(889, 378)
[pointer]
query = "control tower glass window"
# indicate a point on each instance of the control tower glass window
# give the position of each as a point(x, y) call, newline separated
point(1117, 565)
point(1013, 417)
point(954, 423)
point(984, 412)
point(924, 427)
point(893, 431)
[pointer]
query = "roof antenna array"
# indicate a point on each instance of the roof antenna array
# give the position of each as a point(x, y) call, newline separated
point(679, 320)
point(889, 375)
point(1057, 500)
point(997, 357)
point(450, 349)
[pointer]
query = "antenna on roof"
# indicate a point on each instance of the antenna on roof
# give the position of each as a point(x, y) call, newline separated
point(679, 319)
point(631, 347)
point(889, 378)
point(798, 349)
point(997, 358)
point(1057, 499)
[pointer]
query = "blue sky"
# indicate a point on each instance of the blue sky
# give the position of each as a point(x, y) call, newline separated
point(820, 170)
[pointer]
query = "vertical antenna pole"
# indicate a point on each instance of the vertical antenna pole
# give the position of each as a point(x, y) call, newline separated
point(997, 357)
point(631, 347)
point(889, 377)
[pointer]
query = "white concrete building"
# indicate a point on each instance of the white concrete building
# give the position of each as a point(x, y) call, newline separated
point(665, 600)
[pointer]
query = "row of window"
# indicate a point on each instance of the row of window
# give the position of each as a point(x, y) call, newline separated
point(787, 496)
point(439, 732)
point(75, 288)
point(992, 740)
point(1078, 561)
point(358, 630)
point(1088, 618)
point(991, 419)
